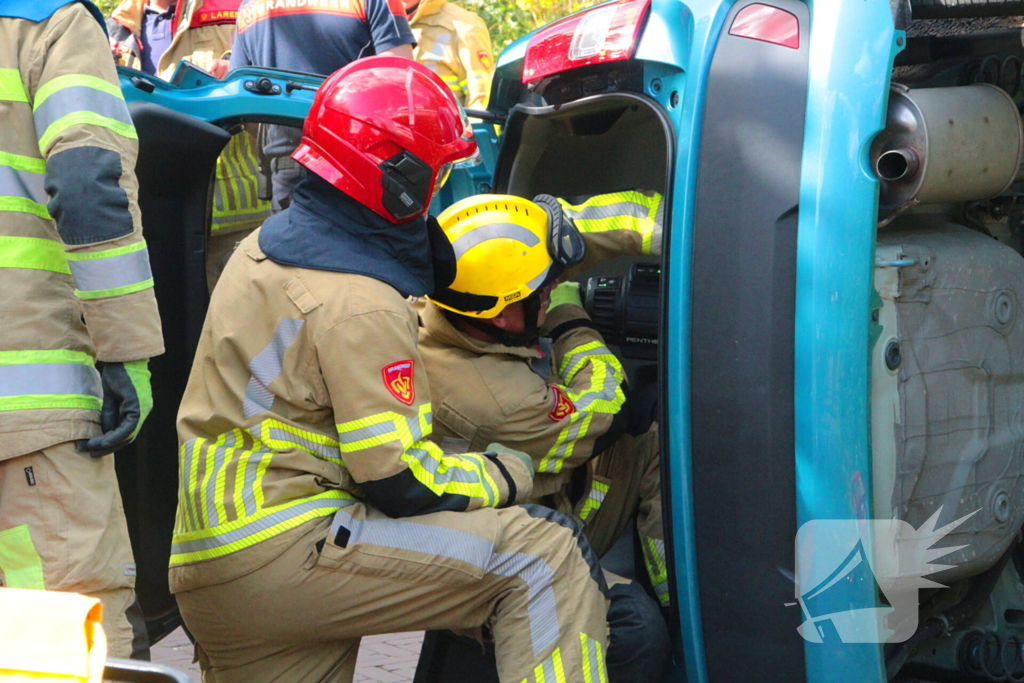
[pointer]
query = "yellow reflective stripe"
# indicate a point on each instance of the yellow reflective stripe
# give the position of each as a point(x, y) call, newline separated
point(189, 483)
point(85, 118)
point(593, 660)
point(565, 445)
point(20, 563)
point(22, 163)
point(387, 427)
point(72, 80)
point(35, 357)
point(233, 536)
point(578, 355)
point(33, 253)
point(630, 211)
point(596, 496)
point(115, 291)
point(106, 253)
point(12, 89)
point(654, 558)
point(50, 401)
point(24, 205)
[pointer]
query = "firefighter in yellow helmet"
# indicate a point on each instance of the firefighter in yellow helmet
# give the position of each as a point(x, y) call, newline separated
point(78, 318)
point(203, 34)
point(508, 362)
point(455, 44)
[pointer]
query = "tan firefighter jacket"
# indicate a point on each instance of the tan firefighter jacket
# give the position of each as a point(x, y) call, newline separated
point(307, 393)
point(556, 409)
point(456, 45)
point(204, 31)
point(75, 280)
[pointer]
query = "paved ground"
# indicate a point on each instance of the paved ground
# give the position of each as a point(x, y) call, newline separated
point(382, 659)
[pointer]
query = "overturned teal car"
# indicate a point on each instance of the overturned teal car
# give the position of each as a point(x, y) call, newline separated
point(835, 323)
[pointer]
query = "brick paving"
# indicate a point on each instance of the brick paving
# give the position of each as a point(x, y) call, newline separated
point(382, 659)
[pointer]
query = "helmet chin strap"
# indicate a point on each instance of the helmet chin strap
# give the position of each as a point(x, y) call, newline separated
point(530, 334)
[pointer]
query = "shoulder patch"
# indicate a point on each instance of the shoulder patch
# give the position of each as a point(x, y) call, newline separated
point(398, 379)
point(563, 406)
point(485, 58)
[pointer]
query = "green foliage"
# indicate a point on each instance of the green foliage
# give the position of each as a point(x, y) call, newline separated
point(107, 6)
point(510, 19)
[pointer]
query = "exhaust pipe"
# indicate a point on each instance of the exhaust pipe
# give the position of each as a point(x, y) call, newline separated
point(947, 145)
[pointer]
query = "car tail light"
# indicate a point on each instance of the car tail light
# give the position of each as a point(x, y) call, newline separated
point(606, 33)
point(768, 24)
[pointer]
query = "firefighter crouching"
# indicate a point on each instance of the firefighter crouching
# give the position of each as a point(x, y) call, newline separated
point(508, 362)
point(76, 288)
point(313, 510)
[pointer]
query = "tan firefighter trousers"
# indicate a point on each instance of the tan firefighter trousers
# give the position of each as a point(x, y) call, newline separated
point(522, 570)
point(62, 528)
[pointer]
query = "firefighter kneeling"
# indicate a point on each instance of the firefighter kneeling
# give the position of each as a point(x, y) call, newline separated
point(312, 509)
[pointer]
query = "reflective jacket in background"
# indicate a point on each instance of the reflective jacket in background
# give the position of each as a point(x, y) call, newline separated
point(74, 271)
point(559, 408)
point(203, 32)
point(308, 393)
point(456, 45)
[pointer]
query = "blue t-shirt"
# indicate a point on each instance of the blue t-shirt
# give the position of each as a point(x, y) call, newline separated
point(314, 36)
point(156, 36)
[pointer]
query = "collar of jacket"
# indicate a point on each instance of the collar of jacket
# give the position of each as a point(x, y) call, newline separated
point(40, 10)
point(130, 12)
point(426, 8)
point(325, 229)
point(437, 325)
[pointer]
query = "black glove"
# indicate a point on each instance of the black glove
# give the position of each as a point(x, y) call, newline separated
point(127, 400)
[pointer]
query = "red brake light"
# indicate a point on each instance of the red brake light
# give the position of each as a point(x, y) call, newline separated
point(767, 23)
point(606, 33)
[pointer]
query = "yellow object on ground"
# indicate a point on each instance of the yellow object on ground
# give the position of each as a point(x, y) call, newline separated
point(49, 636)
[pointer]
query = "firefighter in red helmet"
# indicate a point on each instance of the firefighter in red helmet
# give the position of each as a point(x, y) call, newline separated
point(313, 509)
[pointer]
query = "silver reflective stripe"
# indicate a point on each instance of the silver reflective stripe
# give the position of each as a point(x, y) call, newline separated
point(631, 209)
point(607, 392)
point(183, 478)
point(109, 273)
point(322, 450)
point(597, 496)
point(539, 579)
point(493, 231)
point(573, 358)
point(536, 282)
point(661, 588)
point(591, 654)
point(266, 366)
point(17, 183)
point(257, 525)
point(357, 435)
point(79, 98)
point(432, 464)
point(220, 458)
point(252, 465)
point(549, 670)
point(436, 53)
point(50, 379)
point(569, 442)
point(465, 547)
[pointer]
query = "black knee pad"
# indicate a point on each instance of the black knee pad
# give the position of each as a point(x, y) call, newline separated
point(638, 645)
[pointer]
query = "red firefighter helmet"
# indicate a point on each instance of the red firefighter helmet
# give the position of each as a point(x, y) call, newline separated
point(386, 131)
